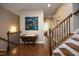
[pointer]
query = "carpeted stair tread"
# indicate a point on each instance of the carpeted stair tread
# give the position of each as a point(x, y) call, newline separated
point(75, 47)
point(77, 39)
point(56, 54)
point(66, 52)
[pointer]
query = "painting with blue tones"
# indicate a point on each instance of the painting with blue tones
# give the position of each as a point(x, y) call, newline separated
point(31, 23)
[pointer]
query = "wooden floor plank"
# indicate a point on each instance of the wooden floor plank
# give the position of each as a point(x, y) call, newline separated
point(30, 50)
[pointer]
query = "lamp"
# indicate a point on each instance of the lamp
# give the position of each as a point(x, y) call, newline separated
point(13, 29)
point(49, 5)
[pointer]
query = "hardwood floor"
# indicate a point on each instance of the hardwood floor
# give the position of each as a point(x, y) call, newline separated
point(30, 50)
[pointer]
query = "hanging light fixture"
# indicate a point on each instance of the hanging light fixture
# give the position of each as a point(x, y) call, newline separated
point(49, 5)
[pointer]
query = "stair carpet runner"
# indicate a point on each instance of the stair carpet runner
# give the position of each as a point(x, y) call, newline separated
point(65, 51)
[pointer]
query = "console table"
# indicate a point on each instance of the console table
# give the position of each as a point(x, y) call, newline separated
point(29, 38)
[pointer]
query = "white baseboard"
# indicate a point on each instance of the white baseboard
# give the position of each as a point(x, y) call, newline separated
point(38, 42)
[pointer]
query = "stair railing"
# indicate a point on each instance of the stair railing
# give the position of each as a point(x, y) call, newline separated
point(61, 31)
point(9, 40)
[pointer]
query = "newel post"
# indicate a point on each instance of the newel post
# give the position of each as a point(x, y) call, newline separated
point(8, 47)
point(50, 47)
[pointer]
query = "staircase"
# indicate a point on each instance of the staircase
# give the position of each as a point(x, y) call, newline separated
point(63, 41)
point(68, 48)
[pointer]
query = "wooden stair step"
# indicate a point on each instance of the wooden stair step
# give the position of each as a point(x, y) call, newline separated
point(56, 54)
point(66, 37)
point(66, 52)
point(75, 47)
point(77, 39)
point(2, 53)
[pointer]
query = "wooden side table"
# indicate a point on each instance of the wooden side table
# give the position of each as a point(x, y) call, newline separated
point(29, 38)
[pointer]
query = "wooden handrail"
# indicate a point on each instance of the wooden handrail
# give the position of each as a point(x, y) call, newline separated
point(68, 17)
point(76, 12)
point(15, 32)
point(63, 21)
point(7, 41)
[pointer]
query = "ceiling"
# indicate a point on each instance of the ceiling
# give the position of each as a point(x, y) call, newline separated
point(18, 7)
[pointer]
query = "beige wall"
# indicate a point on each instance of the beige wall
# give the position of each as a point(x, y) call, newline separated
point(40, 31)
point(7, 19)
point(75, 17)
point(62, 12)
point(50, 22)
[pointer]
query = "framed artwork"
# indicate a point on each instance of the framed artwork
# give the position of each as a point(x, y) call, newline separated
point(31, 23)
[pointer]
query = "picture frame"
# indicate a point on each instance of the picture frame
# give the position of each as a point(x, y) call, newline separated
point(31, 23)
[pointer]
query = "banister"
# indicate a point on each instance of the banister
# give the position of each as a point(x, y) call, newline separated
point(8, 37)
point(76, 12)
point(7, 41)
point(60, 33)
point(15, 32)
point(63, 21)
